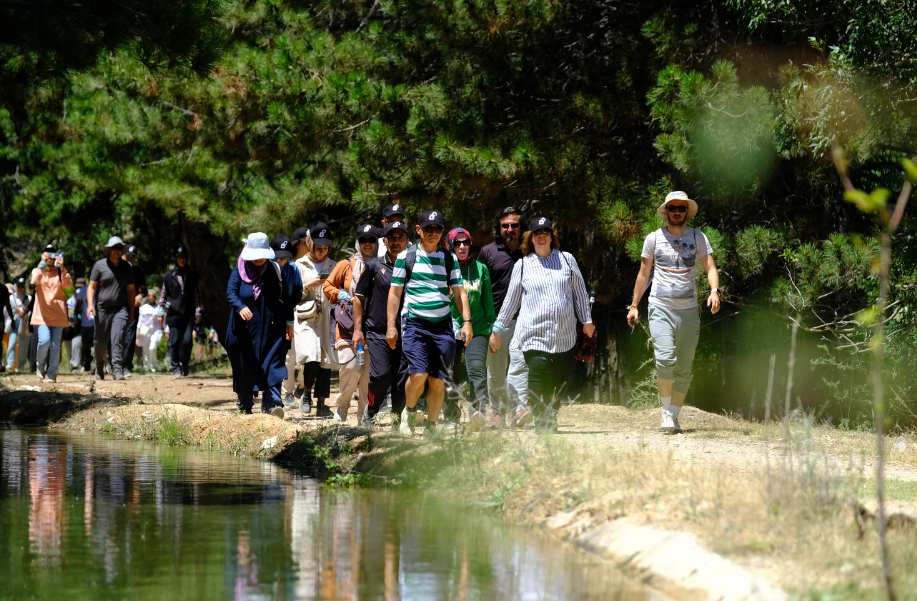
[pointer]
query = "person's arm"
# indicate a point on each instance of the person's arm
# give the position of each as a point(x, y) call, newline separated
point(511, 304)
point(198, 305)
point(131, 293)
point(487, 296)
point(581, 298)
point(91, 298)
point(713, 276)
point(464, 307)
point(394, 303)
point(232, 295)
point(643, 278)
point(332, 286)
point(358, 337)
point(6, 303)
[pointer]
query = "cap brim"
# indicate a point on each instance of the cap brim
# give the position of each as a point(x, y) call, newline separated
point(321, 242)
point(283, 253)
point(253, 254)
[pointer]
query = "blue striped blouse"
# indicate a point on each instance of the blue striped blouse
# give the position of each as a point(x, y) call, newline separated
point(545, 291)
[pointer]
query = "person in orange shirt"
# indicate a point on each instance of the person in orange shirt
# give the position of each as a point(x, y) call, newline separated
point(49, 315)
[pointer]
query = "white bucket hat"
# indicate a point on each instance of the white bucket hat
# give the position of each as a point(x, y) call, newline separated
point(114, 241)
point(257, 246)
point(692, 206)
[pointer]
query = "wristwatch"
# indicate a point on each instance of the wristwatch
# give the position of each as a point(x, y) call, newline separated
point(712, 290)
point(467, 321)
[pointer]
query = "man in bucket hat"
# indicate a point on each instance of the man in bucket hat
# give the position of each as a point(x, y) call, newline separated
point(109, 297)
point(671, 253)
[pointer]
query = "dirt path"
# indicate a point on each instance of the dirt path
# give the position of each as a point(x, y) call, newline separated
point(776, 502)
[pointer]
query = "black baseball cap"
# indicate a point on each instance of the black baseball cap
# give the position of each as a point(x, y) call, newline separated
point(300, 234)
point(395, 225)
point(541, 223)
point(321, 234)
point(20, 282)
point(431, 217)
point(393, 209)
point(131, 250)
point(181, 251)
point(281, 246)
point(368, 229)
point(50, 249)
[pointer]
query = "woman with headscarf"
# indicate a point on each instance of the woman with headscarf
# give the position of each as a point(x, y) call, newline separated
point(476, 279)
point(341, 286)
point(312, 345)
point(49, 316)
point(260, 322)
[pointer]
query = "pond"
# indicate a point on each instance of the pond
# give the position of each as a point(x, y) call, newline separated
point(94, 517)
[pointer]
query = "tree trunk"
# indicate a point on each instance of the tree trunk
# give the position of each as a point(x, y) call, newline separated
point(207, 256)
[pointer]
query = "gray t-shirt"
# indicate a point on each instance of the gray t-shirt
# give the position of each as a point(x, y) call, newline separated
point(674, 266)
point(111, 291)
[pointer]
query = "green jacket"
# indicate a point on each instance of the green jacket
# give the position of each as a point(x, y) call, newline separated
point(480, 296)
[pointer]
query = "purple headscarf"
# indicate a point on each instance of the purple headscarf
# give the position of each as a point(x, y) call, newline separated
point(251, 274)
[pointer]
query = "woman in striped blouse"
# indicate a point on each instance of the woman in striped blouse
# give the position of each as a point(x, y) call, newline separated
point(548, 291)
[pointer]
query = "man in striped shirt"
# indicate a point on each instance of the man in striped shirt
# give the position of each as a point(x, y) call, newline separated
point(425, 274)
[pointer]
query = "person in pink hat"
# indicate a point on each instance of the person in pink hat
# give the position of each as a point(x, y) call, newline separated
point(671, 254)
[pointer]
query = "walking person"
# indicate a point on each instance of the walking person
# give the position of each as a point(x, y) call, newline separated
point(283, 254)
point(87, 327)
point(507, 373)
point(6, 314)
point(19, 340)
point(260, 323)
point(476, 281)
point(339, 289)
point(130, 255)
point(548, 291)
point(425, 274)
point(312, 348)
point(180, 310)
point(393, 212)
point(111, 281)
point(149, 333)
point(33, 334)
point(370, 324)
point(671, 254)
point(49, 316)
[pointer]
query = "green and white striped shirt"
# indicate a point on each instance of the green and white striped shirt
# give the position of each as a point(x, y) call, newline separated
point(426, 295)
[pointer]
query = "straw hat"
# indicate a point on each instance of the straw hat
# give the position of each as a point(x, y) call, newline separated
point(257, 247)
point(692, 206)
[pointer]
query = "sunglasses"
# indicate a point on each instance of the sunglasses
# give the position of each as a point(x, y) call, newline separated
point(463, 242)
point(543, 232)
point(367, 240)
point(510, 226)
point(433, 229)
point(118, 248)
point(677, 209)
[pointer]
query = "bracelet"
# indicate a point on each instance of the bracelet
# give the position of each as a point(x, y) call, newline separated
point(467, 321)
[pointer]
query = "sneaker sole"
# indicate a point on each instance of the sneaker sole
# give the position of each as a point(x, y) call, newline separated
point(278, 412)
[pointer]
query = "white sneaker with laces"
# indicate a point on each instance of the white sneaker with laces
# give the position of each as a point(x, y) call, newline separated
point(677, 429)
point(340, 414)
point(407, 422)
point(668, 422)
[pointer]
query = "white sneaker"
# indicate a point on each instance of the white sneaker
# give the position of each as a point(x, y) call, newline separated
point(677, 429)
point(408, 420)
point(478, 421)
point(340, 414)
point(668, 422)
point(41, 374)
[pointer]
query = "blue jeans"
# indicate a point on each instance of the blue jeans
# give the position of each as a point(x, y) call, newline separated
point(49, 348)
point(12, 361)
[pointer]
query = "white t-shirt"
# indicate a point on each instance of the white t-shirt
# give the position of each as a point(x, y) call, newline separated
point(674, 266)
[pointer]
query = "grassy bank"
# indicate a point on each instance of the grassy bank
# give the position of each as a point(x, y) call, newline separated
point(779, 501)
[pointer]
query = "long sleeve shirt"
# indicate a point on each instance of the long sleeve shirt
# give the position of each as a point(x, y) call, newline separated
point(181, 282)
point(549, 294)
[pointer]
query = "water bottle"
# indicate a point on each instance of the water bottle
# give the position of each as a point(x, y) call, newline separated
point(360, 358)
point(591, 301)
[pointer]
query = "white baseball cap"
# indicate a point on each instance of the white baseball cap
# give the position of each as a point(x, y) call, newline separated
point(257, 246)
point(692, 206)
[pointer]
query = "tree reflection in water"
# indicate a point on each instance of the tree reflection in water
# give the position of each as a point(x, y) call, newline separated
point(94, 517)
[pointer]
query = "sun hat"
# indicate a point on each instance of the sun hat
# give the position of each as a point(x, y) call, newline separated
point(541, 223)
point(321, 234)
point(281, 246)
point(431, 217)
point(395, 225)
point(692, 206)
point(393, 209)
point(257, 247)
point(114, 241)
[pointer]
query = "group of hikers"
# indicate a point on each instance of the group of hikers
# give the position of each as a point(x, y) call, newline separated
point(396, 319)
point(114, 318)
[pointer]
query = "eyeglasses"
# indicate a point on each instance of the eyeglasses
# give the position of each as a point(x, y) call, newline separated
point(676, 208)
point(433, 229)
point(367, 240)
point(462, 242)
point(510, 226)
point(543, 232)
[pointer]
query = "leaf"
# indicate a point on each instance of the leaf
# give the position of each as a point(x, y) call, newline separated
point(867, 316)
point(861, 199)
point(910, 170)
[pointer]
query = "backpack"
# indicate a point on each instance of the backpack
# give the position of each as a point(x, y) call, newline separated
point(411, 258)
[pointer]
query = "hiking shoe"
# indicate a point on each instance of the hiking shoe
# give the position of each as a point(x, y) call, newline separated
point(99, 377)
point(478, 421)
point(117, 375)
point(51, 379)
point(322, 410)
point(429, 430)
point(41, 374)
point(289, 402)
point(677, 429)
point(496, 422)
point(277, 412)
point(305, 403)
point(127, 374)
point(524, 417)
point(367, 421)
point(668, 422)
point(176, 375)
point(408, 419)
point(340, 414)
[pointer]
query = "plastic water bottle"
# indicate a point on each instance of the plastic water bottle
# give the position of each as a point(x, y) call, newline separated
point(360, 354)
point(591, 301)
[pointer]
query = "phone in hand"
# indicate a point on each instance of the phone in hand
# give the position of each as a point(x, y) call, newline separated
point(324, 275)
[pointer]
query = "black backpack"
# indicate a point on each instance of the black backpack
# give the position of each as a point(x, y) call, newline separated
point(411, 258)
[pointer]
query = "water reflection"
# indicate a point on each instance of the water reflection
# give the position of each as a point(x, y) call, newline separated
point(93, 517)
